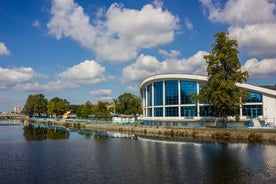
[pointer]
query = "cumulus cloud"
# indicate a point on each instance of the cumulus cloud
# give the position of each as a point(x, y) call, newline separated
point(240, 12)
point(4, 50)
point(11, 78)
point(146, 65)
point(260, 69)
point(252, 23)
point(87, 72)
point(257, 40)
point(117, 34)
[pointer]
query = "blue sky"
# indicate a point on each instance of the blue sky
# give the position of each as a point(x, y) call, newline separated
point(97, 50)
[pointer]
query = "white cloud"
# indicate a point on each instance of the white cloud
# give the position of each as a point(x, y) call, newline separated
point(101, 92)
point(241, 12)
point(36, 23)
point(120, 33)
point(69, 20)
point(88, 72)
point(252, 23)
point(85, 73)
point(171, 54)
point(4, 50)
point(260, 69)
point(258, 39)
point(188, 24)
point(10, 78)
point(149, 65)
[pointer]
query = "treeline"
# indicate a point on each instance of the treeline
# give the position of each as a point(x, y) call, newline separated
point(38, 105)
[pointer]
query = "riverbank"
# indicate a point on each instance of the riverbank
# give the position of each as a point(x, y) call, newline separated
point(232, 135)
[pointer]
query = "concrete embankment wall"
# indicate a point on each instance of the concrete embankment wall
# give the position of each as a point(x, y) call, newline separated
point(208, 134)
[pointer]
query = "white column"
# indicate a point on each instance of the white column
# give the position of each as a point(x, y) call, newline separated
point(197, 103)
point(163, 98)
point(152, 100)
point(179, 100)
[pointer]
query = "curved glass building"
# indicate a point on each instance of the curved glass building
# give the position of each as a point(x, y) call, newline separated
point(168, 100)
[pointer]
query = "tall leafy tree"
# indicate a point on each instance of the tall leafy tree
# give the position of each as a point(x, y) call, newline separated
point(128, 104)
point(36, 105)
point(101, 110)
point(57, 106)
point(86, 109)
point(224, 71)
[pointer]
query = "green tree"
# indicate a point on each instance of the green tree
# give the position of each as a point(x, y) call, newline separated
point(128, 104)
point(101, 110)
point(36, 105)
point(224, 71)
point(73, 108)
point(57, 106)
point(78, 113)
point(86, 109)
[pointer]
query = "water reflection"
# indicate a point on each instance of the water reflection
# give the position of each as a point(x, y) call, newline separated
point(36, 131)
point(94, 157)
point(32, 133)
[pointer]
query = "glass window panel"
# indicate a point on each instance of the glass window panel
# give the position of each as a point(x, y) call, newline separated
point(149, 112)
point(158, 112)
point(171, 92)
point(189, 111)
point(188, 89)
point(158, 93)
point(171, 111)
point(254, 97)
point(252, 111)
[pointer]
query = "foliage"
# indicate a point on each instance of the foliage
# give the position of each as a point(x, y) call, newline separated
point(57, 106)
point(224, 71)
point(101, 110)
point(128, 104)
point(86, 109)
point(36, 105)
point(73, 108)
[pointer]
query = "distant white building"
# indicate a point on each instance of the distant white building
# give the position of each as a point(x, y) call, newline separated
point(16, 109)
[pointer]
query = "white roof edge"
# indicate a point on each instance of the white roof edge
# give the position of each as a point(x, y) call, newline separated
point(204, 79)
point(173, 76)
point(257, 89)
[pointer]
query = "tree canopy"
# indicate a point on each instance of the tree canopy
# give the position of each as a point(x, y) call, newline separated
point(36, 105)
point(57, 106)
point(101, 110)
point(128, 104)
point(224, 71)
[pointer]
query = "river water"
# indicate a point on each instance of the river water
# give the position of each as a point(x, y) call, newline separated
point(42, 155)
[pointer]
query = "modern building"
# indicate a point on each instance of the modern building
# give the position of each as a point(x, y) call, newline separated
point(167, 100)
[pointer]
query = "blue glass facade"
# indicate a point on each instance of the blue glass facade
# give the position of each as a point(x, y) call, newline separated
point(175, 99)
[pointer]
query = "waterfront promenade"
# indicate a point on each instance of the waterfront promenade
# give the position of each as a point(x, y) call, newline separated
point(205, 134)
